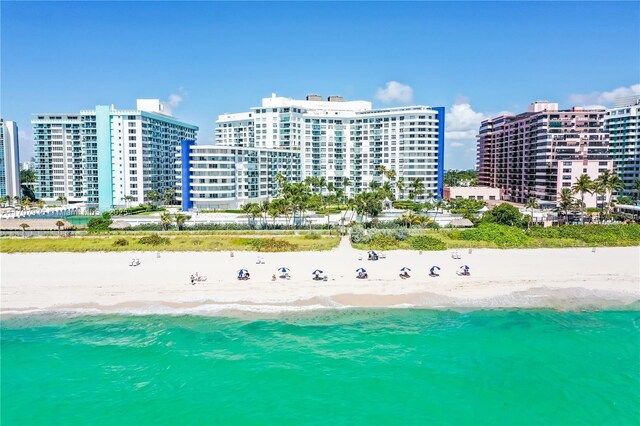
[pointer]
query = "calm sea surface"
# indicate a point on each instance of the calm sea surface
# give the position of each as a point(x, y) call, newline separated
point(337, 367)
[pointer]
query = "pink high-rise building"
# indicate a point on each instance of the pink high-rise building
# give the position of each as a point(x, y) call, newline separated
point(541, 151)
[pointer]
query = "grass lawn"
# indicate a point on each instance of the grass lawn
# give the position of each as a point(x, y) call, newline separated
point(177, 243)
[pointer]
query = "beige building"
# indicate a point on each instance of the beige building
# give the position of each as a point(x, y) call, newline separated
point(473, 192)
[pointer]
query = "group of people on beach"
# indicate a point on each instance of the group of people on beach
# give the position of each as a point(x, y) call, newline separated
point(197, 278)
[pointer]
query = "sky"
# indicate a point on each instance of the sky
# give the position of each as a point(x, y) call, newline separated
point(477, 59)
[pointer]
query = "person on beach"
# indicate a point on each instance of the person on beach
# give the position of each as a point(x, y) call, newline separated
point(193, 280)
point(273, 277)
point(404, 275)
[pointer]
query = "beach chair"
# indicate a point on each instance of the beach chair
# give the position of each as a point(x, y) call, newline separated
point(382, 255)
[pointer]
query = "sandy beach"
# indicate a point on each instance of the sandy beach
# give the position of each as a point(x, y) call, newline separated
point(104, 282)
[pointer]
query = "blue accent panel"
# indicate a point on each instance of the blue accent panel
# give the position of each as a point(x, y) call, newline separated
point(105, 167)
point(440, 184)
point(185, 150)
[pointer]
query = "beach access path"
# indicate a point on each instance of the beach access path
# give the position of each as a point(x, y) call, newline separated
point(559, 278)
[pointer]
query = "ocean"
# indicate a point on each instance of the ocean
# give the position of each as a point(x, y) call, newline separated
point(372, 367)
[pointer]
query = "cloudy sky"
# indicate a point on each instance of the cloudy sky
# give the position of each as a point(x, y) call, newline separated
point(476, 59)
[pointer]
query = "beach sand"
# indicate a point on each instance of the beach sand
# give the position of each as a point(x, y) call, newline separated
point(104, 282)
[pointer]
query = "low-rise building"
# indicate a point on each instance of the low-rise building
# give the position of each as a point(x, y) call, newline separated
point(472, 192)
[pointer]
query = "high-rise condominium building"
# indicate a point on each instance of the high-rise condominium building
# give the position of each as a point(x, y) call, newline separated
point(345, 142)
point(622, 122)
point(541, 151)
point(9, 159)
point(108, 157)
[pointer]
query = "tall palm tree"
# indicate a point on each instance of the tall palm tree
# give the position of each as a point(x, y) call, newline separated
point(153, 196)
point(532, 203)
point(62, 199)
point(417, 188)
point(181, 219)
point(615, 184)
point(382, 170)
point(636, 189)
point(264, 210)
point(401, 187)
point(374, 185)
point(165, 220)
point(566, 202)
point(583, 185)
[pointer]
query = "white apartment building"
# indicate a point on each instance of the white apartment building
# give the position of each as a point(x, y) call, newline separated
point(343, 141)
point(622, 122)
point(217, 177)
point(101, 156)
point(9, 159)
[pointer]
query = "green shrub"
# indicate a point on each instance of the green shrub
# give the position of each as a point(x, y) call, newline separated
point(501, 235)
point(154, 240)
point(100, 223)
point(423, 242)
point(591, 234)
point(312, 236)
point(197, 242)
point(121, 242)
point(383, 242)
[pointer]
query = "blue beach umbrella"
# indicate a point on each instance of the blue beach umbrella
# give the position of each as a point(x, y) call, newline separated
point(405, 269)
point(284, 270)
point(433, 269)
point(241, 272)
point(361, 270)
point(372, 252)
point(465, 267)
point(317, 271)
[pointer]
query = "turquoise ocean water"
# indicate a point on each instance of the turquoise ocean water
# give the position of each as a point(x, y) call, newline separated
point(338, 367)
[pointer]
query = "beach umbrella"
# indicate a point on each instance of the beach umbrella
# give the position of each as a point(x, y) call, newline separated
point(371, 252)
point(317, 271)
point(464, 267)
point(433, 269)
point(284, 270)
point(241, 272)
point(405, 269)
point(361, 270)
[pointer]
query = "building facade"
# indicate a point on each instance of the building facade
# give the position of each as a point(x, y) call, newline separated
point(542, 151)
point(9, 160)
point(344, 142)
point(622, 122)
point(472, 193)
point(108, 157)
point(226, 177)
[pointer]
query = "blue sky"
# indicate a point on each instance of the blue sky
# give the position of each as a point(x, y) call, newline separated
point(475, 58)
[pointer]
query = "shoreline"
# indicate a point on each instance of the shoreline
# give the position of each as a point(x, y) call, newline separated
point(564, 279)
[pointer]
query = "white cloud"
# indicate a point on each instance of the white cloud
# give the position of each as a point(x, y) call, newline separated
point(395, 92)
point(456, 144)
point(604, 98)
point(462, 122)
point(175, 99)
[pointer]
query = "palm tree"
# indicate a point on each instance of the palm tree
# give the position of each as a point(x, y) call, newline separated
point(40, 204)
point(181, 219)
point(374, 185)
point(532, 203)
point(615, 184)
point(59, 224)
point(583, 185)
point(168, 196)
point(165, 220)
point(417, 188)
point(153, 196)
point(566, 202)
point(264, 210)
point(127, 200)
point(400, 186)
point(636, 189)
point(62, 199)
point(24, 227)
point(26, 202)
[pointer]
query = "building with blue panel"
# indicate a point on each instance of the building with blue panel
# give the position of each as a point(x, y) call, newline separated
point(108, 157)
point(347, 143)
point(622, 122)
